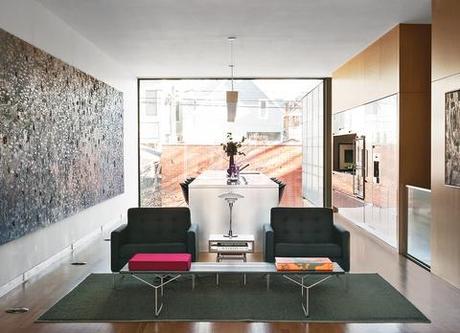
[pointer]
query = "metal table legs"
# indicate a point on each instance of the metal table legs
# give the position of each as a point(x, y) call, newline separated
point(305, 290)
point(158, 306)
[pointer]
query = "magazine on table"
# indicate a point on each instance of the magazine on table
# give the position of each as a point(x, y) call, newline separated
point(303, 264)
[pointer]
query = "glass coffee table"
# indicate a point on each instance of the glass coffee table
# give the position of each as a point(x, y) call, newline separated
point(219, 268)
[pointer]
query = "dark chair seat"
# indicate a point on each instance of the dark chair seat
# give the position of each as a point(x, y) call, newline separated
point(330, 250)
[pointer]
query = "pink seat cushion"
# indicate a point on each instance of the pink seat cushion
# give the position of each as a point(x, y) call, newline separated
point(160, 262)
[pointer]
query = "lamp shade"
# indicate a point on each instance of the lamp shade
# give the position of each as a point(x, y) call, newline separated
point(232, 100)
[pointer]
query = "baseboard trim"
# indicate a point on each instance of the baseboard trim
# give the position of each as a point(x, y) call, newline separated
point(41, 267)
point(7, 287)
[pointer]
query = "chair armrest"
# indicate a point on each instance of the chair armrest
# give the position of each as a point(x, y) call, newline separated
point(118, 237)
point(342, 238)
point(192, 241)
point(269, 244)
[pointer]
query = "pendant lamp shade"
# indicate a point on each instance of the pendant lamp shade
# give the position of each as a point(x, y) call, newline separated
point(232, 95)
point(232, 100)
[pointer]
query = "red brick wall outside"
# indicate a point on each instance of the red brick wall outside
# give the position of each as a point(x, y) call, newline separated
point(181, 161)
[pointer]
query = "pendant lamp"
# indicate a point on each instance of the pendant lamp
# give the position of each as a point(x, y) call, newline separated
point(232, 95)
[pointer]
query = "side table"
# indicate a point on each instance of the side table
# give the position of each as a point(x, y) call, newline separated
point(231, 247)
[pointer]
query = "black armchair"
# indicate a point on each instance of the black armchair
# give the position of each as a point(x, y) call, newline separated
point(153, 230)
point(306, 232)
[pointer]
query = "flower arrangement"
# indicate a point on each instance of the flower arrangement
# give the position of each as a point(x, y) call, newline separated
point(231, 147)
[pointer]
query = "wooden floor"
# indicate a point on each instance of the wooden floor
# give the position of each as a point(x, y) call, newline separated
point(434, 297)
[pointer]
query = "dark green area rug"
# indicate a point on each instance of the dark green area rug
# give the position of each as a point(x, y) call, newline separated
point(368, 298)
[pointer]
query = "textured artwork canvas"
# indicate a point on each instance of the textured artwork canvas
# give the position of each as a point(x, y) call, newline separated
point(61, 139)
point(453, 138)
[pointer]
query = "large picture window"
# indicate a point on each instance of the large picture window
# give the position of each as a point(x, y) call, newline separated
point(183, 122)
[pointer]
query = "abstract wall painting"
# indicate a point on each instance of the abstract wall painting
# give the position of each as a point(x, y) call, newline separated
point(452, 148)
point(61, 139)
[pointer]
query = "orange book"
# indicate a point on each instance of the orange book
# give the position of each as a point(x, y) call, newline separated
point(303, 264)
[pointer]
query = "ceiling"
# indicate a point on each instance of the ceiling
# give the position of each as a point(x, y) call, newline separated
point(275, 38)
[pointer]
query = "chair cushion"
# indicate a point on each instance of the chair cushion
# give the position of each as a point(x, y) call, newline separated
point(160, 262)
point(329, 250)
point(129, 250)
point(302, 225)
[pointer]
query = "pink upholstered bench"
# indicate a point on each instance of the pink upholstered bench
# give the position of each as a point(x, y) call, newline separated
point(160, 262)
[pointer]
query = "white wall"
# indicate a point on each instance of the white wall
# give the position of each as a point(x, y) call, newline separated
point(31, 22)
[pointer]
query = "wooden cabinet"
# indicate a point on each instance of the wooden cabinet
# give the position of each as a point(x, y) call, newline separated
point(398, 63)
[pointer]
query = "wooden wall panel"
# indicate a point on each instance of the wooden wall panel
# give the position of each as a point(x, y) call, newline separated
point(445, 201)
point(415, 58)
point(370, 75)
point(414, 139)
point(415, 104)
point(445, 34)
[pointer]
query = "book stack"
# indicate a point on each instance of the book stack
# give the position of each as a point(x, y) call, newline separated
point(303, 264)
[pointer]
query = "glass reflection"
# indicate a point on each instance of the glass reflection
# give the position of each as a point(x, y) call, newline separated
point(365, 189)
point(419, 224)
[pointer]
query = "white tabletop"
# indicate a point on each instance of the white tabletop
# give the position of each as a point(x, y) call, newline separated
point(218, 178)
